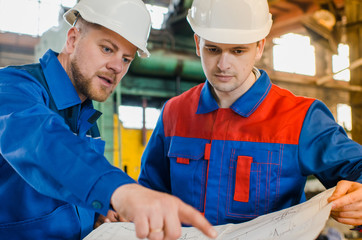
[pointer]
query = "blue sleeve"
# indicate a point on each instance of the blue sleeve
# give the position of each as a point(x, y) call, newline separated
point(155, 165)
point(325, 149)
point(40, 147)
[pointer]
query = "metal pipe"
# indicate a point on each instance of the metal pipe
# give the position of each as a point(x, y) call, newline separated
point(162, 64)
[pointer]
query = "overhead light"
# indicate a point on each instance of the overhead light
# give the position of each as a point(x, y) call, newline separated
point(325, 18)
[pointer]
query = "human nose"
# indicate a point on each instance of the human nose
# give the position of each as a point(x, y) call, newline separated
point(116, 65)
point(224, 61)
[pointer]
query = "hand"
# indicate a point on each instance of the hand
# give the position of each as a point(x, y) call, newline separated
point(112, 216)
point(157, 215)
point(347, 203)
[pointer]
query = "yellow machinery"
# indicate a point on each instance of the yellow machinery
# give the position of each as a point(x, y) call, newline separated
point(132, 149)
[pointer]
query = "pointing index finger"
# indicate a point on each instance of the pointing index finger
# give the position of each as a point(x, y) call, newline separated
point(191, 216)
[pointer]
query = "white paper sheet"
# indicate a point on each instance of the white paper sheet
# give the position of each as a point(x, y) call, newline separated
point(304, 221)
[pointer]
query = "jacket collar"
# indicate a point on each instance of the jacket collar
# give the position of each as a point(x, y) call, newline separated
point(60, 85)
point(244, 105)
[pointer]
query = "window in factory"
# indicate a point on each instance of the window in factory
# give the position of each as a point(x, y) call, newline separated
point(131, 117)
point(32, 17)
point(340, 63)
point(293, 53)
point(157, 15)
point(344, 116)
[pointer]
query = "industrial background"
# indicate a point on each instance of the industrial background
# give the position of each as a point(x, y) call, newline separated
point(329, 25)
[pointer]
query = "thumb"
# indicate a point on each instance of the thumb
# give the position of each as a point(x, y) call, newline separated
point(341, 189)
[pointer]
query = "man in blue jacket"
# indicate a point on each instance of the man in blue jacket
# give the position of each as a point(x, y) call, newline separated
point(54, 179)
point(237, 146)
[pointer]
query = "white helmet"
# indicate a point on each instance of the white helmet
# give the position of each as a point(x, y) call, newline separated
point(128, 18)
point(230, 21)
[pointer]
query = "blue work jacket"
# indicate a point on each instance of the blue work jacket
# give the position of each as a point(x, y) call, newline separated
point(54, 177)
point(235, 164)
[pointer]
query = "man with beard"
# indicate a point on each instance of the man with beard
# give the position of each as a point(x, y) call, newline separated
point(237, 146)
point(54, 179)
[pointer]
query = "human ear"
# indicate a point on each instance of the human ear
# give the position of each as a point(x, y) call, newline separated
point(72, 37)
point(197, 43)
point(260, 49)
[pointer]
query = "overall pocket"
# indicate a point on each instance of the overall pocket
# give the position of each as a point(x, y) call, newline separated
point(188, 170)
point(253, 180)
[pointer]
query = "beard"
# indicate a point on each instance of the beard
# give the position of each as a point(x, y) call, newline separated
point(84, 87)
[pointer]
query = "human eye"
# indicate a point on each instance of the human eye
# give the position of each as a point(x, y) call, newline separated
point(212, 50)
point(127, 60)
point(238, 51)
point(106, 49)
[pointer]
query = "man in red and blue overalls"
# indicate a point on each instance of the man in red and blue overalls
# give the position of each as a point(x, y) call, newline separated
point(237, 146)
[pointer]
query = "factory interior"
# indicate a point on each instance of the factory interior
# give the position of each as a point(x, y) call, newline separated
point(314, 49)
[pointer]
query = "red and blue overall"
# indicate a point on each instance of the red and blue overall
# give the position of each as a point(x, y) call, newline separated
point(235, 164)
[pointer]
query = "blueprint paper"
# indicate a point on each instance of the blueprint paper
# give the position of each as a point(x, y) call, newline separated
point(304, 221)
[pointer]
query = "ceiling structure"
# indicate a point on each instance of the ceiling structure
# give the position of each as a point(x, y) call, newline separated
point(323, 19)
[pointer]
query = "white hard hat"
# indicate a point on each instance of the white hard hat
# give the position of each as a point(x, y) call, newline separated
point(128, 18)
point(230, 21)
